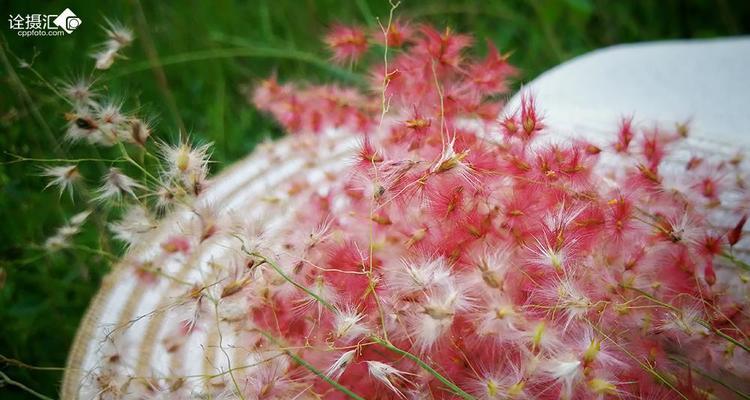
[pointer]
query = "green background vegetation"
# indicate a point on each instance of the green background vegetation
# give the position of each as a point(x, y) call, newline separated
point(211, 52)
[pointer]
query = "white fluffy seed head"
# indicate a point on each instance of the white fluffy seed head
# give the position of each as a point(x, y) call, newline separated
point(348, 325)
point(118, 37)
point(495, 386)
point(499, 319)
point(685, 324)
point(116, 185)
point(63, 176)
point(565, 369)
point(572, 302)
point(78, 91)
point(64, 235)
point(131, 227)
point(185, 164)
point(544, 253)
point(430, 323)
point(388, 375)
point(491, 267)
point(418, 276)
point(119, 33)
point(339, 366)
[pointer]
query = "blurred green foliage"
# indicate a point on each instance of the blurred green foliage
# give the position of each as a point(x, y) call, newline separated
point(210, 52)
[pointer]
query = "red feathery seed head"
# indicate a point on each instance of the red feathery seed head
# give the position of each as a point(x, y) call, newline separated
point(347, 43)
point(709, 188)
point(418, 123)
point(486, 111)
point(368, 155)
point(531, 122)
point(734, 235)
point(267, 92)
point(572, 163)
point(397, 34)
point(592, 149)
point(708, 272)
point(446, 201)
point(311, 109)
point(693, 163)
point(517, 160)
point(490, 76)
point(647, 177)
point(624, 135)
point(653, 147)
point(711, 245)
point(444, 47)
point(510, 125)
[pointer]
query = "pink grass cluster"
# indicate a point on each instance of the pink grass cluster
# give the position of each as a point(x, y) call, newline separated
point(467, 250)
point(507, 262)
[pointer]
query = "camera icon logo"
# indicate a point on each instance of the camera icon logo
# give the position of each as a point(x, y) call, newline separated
point(67, 21)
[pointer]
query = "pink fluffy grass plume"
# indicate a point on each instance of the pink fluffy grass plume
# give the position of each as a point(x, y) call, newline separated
point(516, 265)
point(463, 249)
point(347, 43)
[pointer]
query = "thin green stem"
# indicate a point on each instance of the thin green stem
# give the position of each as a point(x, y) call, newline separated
point(99, 252)
point(709, 377)
point(18, 158)
point(646, 367)
point(294, 283)
point(126, 156)
point(6, 379)
point(736, 261)
point(238, 52)
point(224, 351)
point(299, 360)
point(705, 324)
point(452, 386)
point(49, 85)
point(21, 364)
point(240, 368)
point(652, 298)
point(726, 337)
